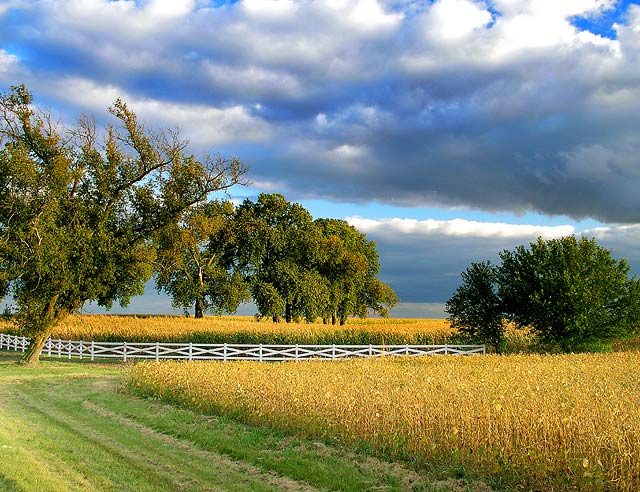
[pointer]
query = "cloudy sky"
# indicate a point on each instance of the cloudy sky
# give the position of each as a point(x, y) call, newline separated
point(445, 130)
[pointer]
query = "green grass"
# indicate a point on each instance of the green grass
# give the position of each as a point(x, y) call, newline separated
point(72, 427)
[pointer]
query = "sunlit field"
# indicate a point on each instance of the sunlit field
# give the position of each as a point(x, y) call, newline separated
point(555, 422)
point(247, 330)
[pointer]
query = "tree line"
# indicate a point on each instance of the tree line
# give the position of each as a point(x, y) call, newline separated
point(569, 292)
point(274, 252)
point(92, 216)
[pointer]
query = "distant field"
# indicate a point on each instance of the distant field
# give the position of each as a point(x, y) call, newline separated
point(246, 330)
point(541, 423)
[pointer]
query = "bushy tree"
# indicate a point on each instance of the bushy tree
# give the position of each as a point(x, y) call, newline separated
point(349, 262)
point(194, 262)
point(570, 292)
point(78, 213)
point(301, 268)
point(277, 248)
point(475, 309)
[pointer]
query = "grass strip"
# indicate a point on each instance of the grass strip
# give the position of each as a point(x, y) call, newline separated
point(71, 427)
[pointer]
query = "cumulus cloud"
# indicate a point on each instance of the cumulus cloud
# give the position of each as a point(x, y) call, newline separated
point(7, 61)
point(458, 228)
point(204, 125)
point(505, 105)
point(451, 20)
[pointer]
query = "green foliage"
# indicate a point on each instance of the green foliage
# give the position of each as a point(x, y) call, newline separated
point(303, 269)
point(78, 214)
point(194, 262)
point(570, 292)
point(475, 309)
point(349, 263)
point(277, 245)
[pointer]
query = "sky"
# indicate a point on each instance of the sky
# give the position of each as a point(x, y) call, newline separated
point(445, 130)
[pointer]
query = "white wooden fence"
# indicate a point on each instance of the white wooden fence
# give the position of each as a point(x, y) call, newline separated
point(225, 351)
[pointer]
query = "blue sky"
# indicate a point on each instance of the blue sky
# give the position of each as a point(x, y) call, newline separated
point(445, 130)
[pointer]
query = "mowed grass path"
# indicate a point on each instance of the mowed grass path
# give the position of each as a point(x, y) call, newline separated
point(71, 427)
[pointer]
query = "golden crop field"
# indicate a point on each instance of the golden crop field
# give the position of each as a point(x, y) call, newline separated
point(247, 330)
point(546, 423)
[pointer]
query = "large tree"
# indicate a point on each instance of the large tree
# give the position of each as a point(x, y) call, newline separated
point(349, 262)
point(301, 268)
point(475, 308)
point(195, 261)
point(277, 249)
point(78, 213)
point(570, 292)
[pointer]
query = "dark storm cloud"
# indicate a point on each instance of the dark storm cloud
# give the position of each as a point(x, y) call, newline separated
point(507, 106)
point(422, 260)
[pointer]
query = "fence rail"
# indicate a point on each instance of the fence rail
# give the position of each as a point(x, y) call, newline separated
point(225, 351)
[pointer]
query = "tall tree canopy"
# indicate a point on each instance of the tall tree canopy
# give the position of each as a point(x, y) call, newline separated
point(278, 246)
point(195, 261)
point(301, 268)
point(475, 308)
point(78, 213)
point(349, 263)
point(570, 292)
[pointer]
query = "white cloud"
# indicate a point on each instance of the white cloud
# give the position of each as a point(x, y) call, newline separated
point(203, 125)
point(270, 9)
point(455, 19)
point(457, 228)
point(254, 80)
point(8, 62)
point(346, 151)
point(366, 15)
point(356, 120)
point(168, 9)
point(126, 19)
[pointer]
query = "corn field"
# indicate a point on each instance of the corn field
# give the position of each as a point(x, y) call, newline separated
point(169, 329)
point(545, 423)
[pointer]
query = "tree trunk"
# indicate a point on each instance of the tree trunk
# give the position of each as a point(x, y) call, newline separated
point(288, 312)
point(32, 356)
point(199, 309)
point(333, 319)
point(41, 330)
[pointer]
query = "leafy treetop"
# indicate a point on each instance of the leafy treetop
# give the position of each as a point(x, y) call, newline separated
point(79, 213)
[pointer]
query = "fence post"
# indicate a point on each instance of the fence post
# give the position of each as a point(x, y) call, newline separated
point(190, 350)
point(157, 351)
point(92, 350)
point(124, 351)
point(260, 353)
